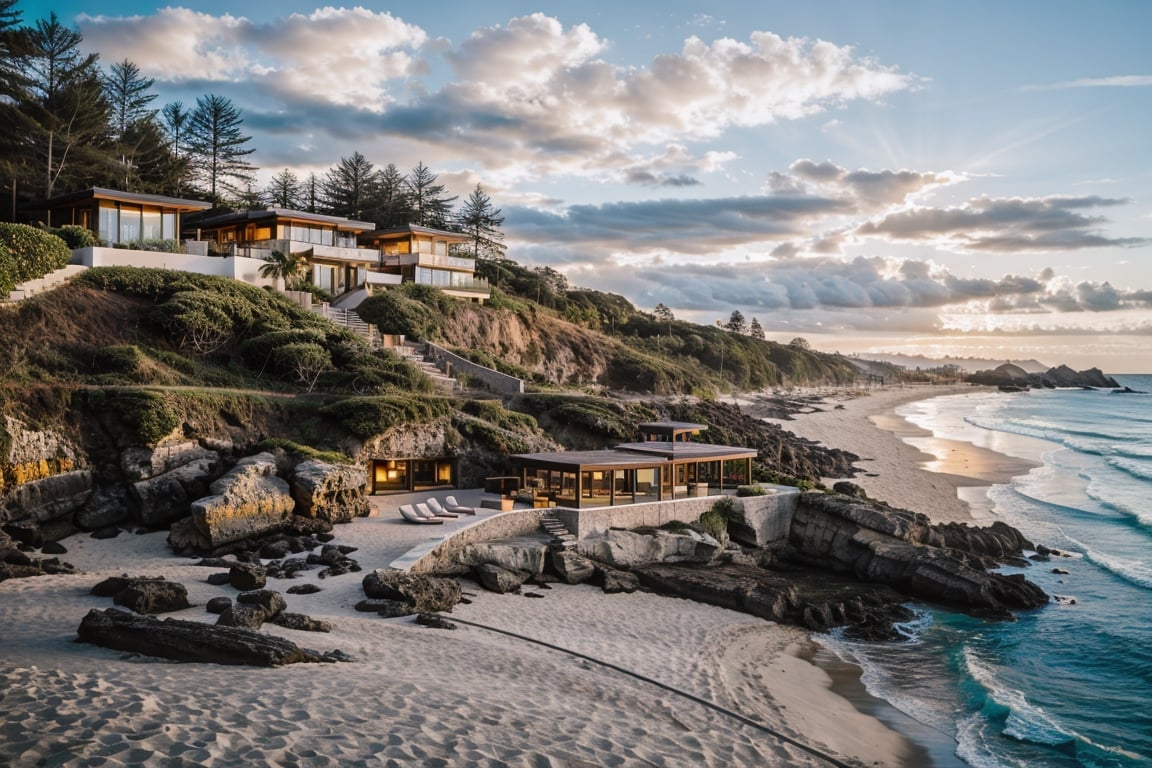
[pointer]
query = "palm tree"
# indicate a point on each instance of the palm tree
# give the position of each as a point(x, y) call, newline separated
point(283, 266)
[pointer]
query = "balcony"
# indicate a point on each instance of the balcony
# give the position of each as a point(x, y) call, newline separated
point(263, 250)
point(426, 260)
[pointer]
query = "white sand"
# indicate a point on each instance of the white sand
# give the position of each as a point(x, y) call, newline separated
point(924, 477)
point(417, 696)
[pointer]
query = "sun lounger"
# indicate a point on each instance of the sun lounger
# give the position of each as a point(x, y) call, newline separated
point(409, 514)
point(423, 510)
point(451, 505)
point(438, 510)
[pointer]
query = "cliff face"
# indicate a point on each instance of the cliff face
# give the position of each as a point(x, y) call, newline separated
point(1061, 376)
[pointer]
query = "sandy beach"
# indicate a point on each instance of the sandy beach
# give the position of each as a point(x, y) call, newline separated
point(419, 696)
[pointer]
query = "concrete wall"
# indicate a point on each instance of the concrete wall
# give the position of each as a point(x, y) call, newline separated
point(46, 283)
point(766, 518)
point(499, 382)
point(235, 267)
point(440, 556)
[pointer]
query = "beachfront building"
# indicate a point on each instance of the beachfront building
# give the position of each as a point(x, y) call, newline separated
point(428, 256)
point(328, 244)
point(411, 474)
point(666, 464)
point(120, 218)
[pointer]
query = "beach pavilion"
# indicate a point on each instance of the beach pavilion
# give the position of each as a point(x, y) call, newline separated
point(666, 464)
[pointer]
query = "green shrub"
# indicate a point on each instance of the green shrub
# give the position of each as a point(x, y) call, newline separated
point(394, 312)
point(31, 253)
point(714, 522)
point(154, 244)
point(302, 362)
point(75, 236)
point(750, 490)
point(367, 417)
point(148, 416)
point(302, 451)
point(119, 358)
point(195, 320)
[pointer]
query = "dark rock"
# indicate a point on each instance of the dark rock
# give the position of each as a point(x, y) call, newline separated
point(1059, 571)
point(572, 567)
point(193, 641)
point(153, 597)
point(498, 579)
point(613, 581)
point(26, 532)
point(218, 605)
point(434, 621)
point(533, 594)
point(215, 562)
point(288, 569)
point(54, 548)
point(333, 492)
point(271, 601)
point(219, 579)
point(389, 609)
point(849, 489)
point(105, 507)
point(303, 589)
point(299, 621)
point(240, 615)
point(114, 585)
point(110, 532)
point(425, 593)
point(246, 576)
point(276, 550)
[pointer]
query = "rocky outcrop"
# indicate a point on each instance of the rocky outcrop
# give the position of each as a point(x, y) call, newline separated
point(15, 564)
point(816, 601)
point(159, 500)
point(248, 501)
point(501, 580)
point(902, 549)
point(153, 597)
point(431, 594)
point(194, 641)
point(1009, 375)
point(626, 549)
point(573, 568)
point(333, 492)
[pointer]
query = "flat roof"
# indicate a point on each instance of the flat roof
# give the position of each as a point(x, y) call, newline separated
point(674, 425)
point(416, 229)
point(236, 217)
point(101, 193)
point(689, 451)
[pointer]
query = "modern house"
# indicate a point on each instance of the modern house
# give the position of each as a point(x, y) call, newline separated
point(666, 464)
point(121, 217)
point(429, 257)
point(328, 243)
point(406, 475)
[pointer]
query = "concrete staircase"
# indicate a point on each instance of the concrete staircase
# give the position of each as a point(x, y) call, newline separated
point(415, 354)
point(350, 320)
point(557, 530)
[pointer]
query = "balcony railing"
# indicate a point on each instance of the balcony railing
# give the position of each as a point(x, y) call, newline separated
point(263, 250)
point(426, 260)
point(476, 285)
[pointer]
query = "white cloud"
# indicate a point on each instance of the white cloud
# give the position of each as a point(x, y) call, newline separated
point(1116, 81)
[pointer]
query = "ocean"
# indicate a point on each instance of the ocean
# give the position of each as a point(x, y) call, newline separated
point(1070, 684)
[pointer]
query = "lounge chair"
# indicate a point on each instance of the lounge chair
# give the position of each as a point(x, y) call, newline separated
point(438, 510)
point(409, 514)
point(423, 510)
point(452, 506)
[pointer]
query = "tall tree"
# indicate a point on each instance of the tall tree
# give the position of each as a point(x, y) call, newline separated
point(755, 330)
point(350, 187)
point(143, 159)
point(128, 96)
point(311, 193)
point(735, 322)
point(285, 190)
point(428, 205)
point(664, 315)
point(66, 102)
point(15, 125)
point(392, 198)
point(216, 148)
point(176, 127)
point(482, 220)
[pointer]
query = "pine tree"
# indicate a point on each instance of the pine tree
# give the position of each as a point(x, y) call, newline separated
point(754, 330)
point(128, 95)
point(664, 315)
point(311, 194)
point(350, 187)
point(428, 206)
point(216, 148)
point(392, 199)
point(176, 128)
point(482, 221)
point(285, 190)
point(66, 105)
point(735, 322)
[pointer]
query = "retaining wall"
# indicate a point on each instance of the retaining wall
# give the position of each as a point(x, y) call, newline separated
point(498, 382)
point(440, 556)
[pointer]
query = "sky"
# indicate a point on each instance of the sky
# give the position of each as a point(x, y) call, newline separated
point(964, 179)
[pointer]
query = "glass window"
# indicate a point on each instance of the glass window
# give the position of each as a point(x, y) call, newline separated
point(109, 230)
point(129, 224)
point(150, 225)
point(168, 226)
point(441, 248)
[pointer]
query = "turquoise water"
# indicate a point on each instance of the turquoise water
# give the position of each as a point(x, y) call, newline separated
point(1070, 684)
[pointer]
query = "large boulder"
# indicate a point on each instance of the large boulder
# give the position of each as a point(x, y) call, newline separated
point(501, 580)
point(153, 596)
point(625, 549)
point(526, 554)
point(44, 476)
point(248, 501)
point(159, 500)
point(333, 492)
point(574, 568)
point(426, 594)
point(194, 641)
